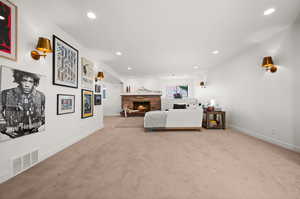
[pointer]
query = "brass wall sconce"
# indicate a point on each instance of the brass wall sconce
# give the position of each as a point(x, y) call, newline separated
point(268, 64)
point(100, 76)
point(203, 84)
point(43, 45)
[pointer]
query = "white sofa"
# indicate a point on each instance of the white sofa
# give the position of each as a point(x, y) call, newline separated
point(174, 119)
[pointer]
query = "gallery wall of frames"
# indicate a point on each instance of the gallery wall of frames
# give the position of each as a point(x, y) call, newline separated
point(49, 104)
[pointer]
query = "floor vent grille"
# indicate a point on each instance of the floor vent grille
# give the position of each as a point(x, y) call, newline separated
point(24, 162)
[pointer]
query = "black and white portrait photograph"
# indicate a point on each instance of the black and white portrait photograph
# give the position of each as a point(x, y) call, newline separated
point(22, 103)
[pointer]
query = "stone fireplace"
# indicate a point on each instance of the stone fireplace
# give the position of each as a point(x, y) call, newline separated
point(139, 104)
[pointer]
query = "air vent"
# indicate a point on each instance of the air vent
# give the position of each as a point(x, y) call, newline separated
point(17, 165)
point(34, 157)
point(24, 162)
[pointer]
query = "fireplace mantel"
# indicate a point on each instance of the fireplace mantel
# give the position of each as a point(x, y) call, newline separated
point(142, 94)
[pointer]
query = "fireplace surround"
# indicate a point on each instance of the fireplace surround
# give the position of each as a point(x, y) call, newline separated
point(140, 103)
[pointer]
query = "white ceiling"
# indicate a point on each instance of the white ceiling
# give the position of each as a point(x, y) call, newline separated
point(169, 36)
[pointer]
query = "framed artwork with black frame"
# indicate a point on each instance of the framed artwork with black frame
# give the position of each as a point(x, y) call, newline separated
point(104, 93)
point(65, 64)
point(97, 88)
point(87, 103)
point(65, 104)
point(9, 30)
point(98, 99)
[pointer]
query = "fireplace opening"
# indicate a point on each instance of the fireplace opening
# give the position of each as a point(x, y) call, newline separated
point(143, 106)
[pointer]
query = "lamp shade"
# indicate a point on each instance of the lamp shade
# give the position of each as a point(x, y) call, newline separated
point(267, 62)
point(44, 45)
point(100, 75)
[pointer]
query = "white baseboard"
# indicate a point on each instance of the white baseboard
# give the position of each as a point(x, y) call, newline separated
point(53, 151)
point(266, 138)
point(5, 177)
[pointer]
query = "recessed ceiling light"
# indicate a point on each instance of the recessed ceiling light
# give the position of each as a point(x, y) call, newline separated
point(2, 18)
point(215, 52)
point(129, 68)
point(196, 67)
point(269, 11)
point(119, 53)
point(91, 15)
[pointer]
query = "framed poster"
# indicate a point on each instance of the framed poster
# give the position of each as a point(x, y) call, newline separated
point(8, 30)
point(177, 92)
point(22, 104)
point(97, 99)
point(104, 93)
point(87, 99)
point(65, 104)
point(65, 64)
point(87, 74)
point(97, 88)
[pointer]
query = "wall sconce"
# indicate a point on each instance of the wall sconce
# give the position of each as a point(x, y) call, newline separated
point(43, 45)
point(203, 84)
point(100, 76)
point(268, 64)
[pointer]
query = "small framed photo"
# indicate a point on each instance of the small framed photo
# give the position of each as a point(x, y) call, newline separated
point(97, 88)
point(8, 32)
point(87, 101)
point(98, 100)
point(65, 104)
point(104, 93)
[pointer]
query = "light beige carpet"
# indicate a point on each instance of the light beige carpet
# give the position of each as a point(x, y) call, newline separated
point(127, 163)
point(130, 122)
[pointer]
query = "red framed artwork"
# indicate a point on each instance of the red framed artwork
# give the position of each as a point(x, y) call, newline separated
point(8, 30)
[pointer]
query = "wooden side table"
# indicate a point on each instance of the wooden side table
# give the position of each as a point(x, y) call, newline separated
point(218, 116)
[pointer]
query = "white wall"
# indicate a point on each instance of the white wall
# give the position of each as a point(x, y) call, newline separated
point(161, 83)
point(61, 131)
point(112, 102)
point(259, 103)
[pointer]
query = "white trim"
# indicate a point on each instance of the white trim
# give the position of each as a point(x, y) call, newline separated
point(5, 177)
point(266, 138)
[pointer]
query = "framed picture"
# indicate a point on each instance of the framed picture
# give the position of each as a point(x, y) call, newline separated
point(87, 74)
point(104, 93)
point(97, 88)
point(22, 104)
point(87, 99)
point(65, 104)
point(97, 99)
point(8, 30)
point(65, 64)
point(177, 92)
